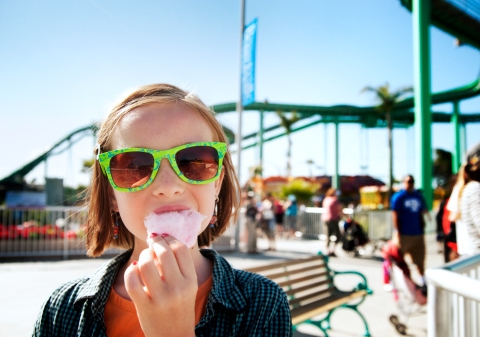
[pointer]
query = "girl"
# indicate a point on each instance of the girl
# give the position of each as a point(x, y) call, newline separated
point(165, 288)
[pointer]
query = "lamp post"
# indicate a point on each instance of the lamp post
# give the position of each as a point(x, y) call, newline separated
point(239, 126)
point(239, 103)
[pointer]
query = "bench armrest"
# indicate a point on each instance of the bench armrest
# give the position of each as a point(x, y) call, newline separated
point(362, 285)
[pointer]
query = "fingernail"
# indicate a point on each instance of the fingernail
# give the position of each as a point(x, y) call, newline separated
point(164, 235)
point(152, 235)
point(134, 263)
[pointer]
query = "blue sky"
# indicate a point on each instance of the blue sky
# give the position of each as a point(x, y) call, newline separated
point(65, 63)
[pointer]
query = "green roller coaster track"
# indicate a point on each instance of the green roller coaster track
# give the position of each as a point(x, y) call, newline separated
point(366, 116)
point(460, 19)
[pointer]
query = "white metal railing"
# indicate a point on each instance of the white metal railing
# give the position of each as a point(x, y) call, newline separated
point(45, 231)
point(61, 230)
point(376, 223)
point(454, 299)
point(58, 231)
point(309, 223)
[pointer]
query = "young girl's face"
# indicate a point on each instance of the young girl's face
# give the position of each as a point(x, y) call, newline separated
point(162, 126)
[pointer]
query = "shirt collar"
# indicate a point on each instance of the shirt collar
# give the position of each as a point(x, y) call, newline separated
point(97, 287)
point(225, 291)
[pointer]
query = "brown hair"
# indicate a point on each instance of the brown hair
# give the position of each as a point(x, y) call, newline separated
point(101, 219)
point(331, 192)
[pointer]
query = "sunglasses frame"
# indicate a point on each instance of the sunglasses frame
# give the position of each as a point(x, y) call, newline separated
point(105, 157)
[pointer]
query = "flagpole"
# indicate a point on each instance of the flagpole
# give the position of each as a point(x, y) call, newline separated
point(238, 136)
point(239, 102)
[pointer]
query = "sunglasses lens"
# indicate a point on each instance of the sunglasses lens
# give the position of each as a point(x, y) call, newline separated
point(198, 163)
point(131, 169)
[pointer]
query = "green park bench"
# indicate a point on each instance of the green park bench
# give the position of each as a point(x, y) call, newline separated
point(311, 290)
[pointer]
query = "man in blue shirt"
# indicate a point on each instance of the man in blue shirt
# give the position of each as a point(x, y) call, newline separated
point(408, 207)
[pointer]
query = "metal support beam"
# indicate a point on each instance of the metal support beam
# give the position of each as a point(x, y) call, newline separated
point(262, 130)
point(457, 152)
point(463, 141)
point(336, 176)
point(421, 51)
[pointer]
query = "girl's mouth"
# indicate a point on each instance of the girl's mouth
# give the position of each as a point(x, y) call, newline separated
point(170, 209)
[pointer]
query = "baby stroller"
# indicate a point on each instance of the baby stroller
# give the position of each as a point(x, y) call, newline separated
point(408, 295)
point(354, 237)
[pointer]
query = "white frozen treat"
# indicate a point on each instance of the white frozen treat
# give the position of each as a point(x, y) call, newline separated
point(183, 225)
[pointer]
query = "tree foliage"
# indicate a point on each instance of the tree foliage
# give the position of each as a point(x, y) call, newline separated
point(301, 189)
point(87, 165)
point(387, 100)
point(442, 167)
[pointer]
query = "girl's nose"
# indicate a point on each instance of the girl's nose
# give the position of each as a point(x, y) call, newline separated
point(166, 182)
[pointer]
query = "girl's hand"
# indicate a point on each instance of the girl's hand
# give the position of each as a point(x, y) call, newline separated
point(163, 287)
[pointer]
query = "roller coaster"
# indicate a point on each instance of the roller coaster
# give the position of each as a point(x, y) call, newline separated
point(368, 117)
point(450, 16)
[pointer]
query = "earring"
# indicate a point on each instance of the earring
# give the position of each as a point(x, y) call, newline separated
point(213, 221)
point(115, 226)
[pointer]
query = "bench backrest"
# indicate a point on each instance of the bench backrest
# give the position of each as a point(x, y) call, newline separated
point(304, 280)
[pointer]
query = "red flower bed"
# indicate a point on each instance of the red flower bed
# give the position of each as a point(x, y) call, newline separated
point(8, 232)
point(30, 230)
point(50, 232)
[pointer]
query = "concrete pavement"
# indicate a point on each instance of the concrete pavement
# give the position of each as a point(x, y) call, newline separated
point(25, 285)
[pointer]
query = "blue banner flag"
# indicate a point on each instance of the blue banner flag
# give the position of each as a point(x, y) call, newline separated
point(248, 63)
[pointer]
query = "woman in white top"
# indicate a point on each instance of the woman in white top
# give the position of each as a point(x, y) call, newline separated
point(468, 224)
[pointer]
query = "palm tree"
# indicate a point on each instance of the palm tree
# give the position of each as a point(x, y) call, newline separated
point(387, 101)
point(442, 167)
point(287, 123)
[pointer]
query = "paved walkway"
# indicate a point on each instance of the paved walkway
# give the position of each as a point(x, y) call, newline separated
point(25, 285)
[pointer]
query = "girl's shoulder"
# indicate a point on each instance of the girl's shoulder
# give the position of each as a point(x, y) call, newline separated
point(96, 285)
point(76, 301)
point(67, 294)
point(254, 284)
point(59, 312)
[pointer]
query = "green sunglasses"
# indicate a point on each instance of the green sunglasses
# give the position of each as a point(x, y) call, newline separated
point(133, 169)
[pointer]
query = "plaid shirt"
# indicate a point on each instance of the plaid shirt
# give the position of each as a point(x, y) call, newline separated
point(240, 304)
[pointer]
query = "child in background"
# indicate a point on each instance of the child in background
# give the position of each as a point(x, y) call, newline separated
point(291, 213)
point(161, 151)
point(279, 215)
point(393, 256)
point(354, 236)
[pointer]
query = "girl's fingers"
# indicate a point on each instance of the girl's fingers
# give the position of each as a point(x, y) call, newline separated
point(183, 257)
point(151, 276)
point(164, 258)
point(164, 269)
point(173, 258)
point(134, 284)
